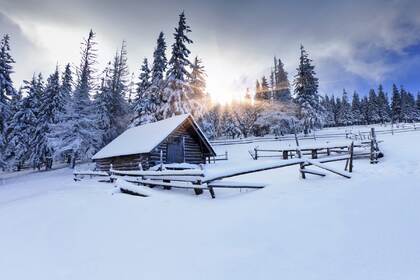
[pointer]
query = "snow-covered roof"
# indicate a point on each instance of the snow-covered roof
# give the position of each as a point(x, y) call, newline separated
point(142, 139)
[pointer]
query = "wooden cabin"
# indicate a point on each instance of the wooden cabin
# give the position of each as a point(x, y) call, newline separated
point(174, 140)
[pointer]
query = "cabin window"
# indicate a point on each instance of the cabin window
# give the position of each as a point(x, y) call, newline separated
point(175, 152)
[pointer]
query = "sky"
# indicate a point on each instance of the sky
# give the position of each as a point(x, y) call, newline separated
point(353, 44)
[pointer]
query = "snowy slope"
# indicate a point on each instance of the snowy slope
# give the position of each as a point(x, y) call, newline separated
point(320, 228)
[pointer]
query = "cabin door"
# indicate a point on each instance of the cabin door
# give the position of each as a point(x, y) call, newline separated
point(175, 153)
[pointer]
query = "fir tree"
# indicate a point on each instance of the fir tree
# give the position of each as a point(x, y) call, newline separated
point(41, 150)
point(373, 109)
point(383, 105)
point(156, 90)
point(306, 91)
point(282, 85)
point(345, 113)
point(364, 105)
point(176, 93)
point(146, 102)
point(111, 103)
point(7, 92)
point(264, 94)
point(356, 109)
point(159, 61)
point(396, 104)
point(77, 135)
point(198, 96)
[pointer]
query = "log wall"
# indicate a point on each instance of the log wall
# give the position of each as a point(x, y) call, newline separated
point(194, 152)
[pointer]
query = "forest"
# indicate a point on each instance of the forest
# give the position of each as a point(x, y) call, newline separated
point(77, 110)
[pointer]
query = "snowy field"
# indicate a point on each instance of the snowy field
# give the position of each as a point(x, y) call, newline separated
point(367, 227)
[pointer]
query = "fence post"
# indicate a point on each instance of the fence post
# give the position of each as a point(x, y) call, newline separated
point(256, 153)
point(351, 157)
point(226, 155)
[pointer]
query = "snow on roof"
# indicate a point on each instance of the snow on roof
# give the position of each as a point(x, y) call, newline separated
point(141, 139)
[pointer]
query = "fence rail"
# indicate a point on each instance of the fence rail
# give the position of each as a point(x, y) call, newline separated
point(353, 135)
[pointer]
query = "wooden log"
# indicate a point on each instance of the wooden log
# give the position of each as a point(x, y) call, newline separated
point(323, 166)
point(313, 172)
point(351, 157)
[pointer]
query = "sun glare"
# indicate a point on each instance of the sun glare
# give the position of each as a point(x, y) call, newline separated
point(221, 88)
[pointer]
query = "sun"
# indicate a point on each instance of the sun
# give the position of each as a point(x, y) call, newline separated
point(222, 87)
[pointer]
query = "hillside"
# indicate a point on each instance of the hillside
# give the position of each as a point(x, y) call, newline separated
point(320, 228)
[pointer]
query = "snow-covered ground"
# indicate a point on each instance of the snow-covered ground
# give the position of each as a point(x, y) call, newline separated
point(367, 227)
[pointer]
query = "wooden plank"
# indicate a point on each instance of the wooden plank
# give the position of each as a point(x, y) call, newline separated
point(165, 184)
point(313, 172)
point(323, 166)
point(238, 172)
point(236, 185)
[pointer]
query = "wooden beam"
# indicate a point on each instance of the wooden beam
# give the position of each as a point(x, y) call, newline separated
point(313, 172)
point(323, 166)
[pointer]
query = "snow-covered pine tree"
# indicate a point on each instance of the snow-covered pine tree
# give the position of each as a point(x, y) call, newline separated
point(383, 106)
point(12, 135)
point(198, 96)
point(155, 89)
point(118, 106)
point(373, 107)
point(112, 108)
point(78, 136)
point(396, 104)
point(264, 94)
point(7, 91)
point(337, 110)
point(66, 88)
point(22, 127)
point(175, 96)
point(51, 107)
point(329, 111)
point(306, 92)
point(407, 105)
point(257, 88)
point(356, 109)
point(102, 103)
point(282, 88)
point(146, 102)
point(364, 105)
point(345, 113)
point(418, 106)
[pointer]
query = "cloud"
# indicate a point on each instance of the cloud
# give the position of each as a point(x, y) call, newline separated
point(29, 57)
point(353, 43)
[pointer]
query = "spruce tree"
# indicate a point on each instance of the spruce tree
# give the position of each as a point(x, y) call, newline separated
point(282, 85)
point(364, 105)
point(198, 97)
point(49, 113)
point(264, 94)
point(147, 100)
point(396, 104)
point(373, 108)
point(418, 106)
point(7, 92)
point(306, 92)
point(175, 96)
point(77, 135)
point(112, 108)
point(383, 106)
point(407, 105)
point(356, 109)
point(345, 113)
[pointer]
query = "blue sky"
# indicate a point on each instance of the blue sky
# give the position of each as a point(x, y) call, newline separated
point(354, 44)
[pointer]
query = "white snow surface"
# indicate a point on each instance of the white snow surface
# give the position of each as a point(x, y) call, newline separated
point(366, 227)
point(141, 139)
